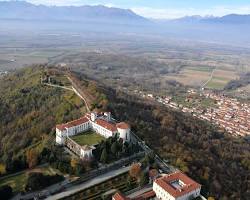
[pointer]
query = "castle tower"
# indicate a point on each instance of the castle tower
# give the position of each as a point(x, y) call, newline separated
point(93, 116)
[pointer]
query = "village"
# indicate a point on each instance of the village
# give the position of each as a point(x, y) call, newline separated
point(228, 113)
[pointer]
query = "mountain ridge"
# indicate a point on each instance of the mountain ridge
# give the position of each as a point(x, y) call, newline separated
point(28, 11)
point(226, 19)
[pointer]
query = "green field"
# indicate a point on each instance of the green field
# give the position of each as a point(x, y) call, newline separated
point(213, 84)
point(18, 181)
point(88, 138)
point(201, 68)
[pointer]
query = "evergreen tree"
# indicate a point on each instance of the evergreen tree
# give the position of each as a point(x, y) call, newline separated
point(115, 148)
point(104, 156)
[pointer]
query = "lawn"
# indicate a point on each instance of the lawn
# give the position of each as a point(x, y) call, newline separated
point(88, 138)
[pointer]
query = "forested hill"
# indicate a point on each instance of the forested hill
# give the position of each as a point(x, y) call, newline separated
point(29, 112)
point(218, 161)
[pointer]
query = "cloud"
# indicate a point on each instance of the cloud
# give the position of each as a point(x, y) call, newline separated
point(172, 13)
point(57, 2)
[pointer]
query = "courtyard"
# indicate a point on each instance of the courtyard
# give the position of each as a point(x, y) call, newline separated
point(88, 138)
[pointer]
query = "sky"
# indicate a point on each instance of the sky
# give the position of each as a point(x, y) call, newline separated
point(165, 9)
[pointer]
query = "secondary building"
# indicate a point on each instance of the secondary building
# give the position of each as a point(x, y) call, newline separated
point(176, 186)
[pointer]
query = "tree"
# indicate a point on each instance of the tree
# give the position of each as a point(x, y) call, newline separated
point(115, 148)
point(135, 170)
point(144, 178)
point(32, 157)
point(37, 181)
point(2, 169)
point(104, 156)
point(74, 162)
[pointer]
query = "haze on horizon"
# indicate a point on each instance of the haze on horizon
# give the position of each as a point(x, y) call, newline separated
point(162, 9)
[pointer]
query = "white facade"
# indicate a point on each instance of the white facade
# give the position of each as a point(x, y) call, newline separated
point(164, 195)
point(89, 123)
point(60, 136)
point(101, 130)
point(86, 153)
point(71, 131)
point(124, 133)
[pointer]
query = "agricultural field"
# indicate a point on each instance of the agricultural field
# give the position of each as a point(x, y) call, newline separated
point(88, 138)
point(197, 76)
point(190, 77)
point(18, 180)
point(221, 78)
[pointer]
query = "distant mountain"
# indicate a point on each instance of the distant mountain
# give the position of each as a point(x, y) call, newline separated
point(231, 19)
point(227, 19)
point(27, 11)
point(193, 18)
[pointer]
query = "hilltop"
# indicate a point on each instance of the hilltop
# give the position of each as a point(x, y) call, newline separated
point(31, 111)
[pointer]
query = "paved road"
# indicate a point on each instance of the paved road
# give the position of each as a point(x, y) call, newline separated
point(90, 183)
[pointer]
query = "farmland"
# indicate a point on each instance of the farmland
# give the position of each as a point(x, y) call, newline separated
point(153, 64)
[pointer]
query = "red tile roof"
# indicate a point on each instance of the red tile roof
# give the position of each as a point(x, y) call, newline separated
point(122, 125)
point(165, 183)
point(107, 125)
point(147, 195)
point(119, 196)
point(77, 122)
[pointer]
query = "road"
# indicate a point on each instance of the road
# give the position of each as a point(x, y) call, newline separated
point(90, 183)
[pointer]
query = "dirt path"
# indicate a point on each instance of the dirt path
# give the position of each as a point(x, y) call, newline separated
point(210, 78)
point(72, 88)
point(79, 93)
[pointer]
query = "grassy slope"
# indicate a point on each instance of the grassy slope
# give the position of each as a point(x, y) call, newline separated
point(29, 110)
point(18, 181)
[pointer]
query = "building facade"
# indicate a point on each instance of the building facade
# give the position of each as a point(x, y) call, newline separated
point(100, 123)
point(176, 186)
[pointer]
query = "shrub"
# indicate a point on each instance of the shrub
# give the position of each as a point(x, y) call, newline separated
point(37, 181)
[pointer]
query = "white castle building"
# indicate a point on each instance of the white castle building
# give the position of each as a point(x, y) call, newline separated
point(100, 123)
point(176, 186)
